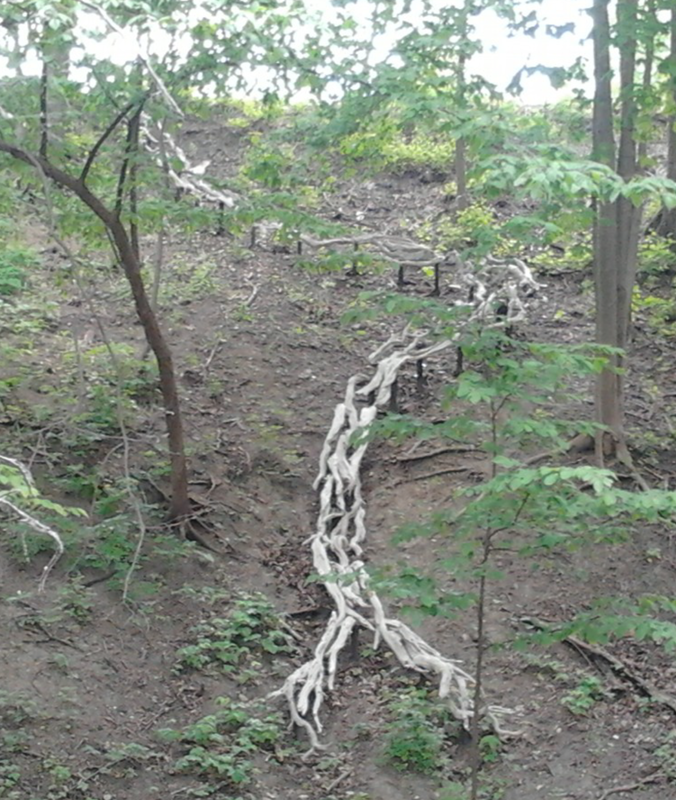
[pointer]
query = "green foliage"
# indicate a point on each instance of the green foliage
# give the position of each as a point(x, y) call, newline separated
point(23, 491)
point(473, 229)
point(416, 732)
point(584, 696)
point(10, 776)
point(666, 755)
point(117, 384)
point(381, 146)
point(250, 629)
point(16, 709)
point(505, 403)
point(16, 262)
point(656, 256)
point(490, 748)
point(659, 311)
point(223, 744)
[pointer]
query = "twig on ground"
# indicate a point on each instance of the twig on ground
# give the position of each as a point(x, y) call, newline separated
point(212, 355)
point(629, 787)
point(406, 459)
point(345, 774)
point(250, 300)
point(435, 474)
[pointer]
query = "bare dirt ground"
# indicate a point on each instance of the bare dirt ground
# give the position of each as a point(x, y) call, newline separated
point(81, 700)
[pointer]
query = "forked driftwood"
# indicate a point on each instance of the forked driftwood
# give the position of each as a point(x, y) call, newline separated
point(341, 530)
point(29, 519)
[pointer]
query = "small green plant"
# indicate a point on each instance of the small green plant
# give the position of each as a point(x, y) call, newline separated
point(416, 733)
point(660, 311)
point(222, 744)
point(418, 151)
point(656, 256)
point(224, 643)
point(76, 600)
point(205, 595)
point(454, 791)
point(10, 776)
point(490, 748)
point(474, 228)
point(16, 709)
point(583, 697)
point(666, 755)
point(15, 262)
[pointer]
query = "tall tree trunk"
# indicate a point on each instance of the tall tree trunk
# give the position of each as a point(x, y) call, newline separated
point(460, 142)
point(609, 406)
point(616, 230)
point(667, 223)
point(648, 64)
point(628, 215)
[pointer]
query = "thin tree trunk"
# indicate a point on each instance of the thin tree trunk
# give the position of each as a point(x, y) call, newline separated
point(648, 64)
point(628, 215)
point(461, 173)
point(667, 223)
point(460, 143)
point(180, 501)
point(609, 411)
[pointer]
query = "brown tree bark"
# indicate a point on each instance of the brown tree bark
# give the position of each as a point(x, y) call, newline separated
point(609, 407)
point(616, 229)
point(180, 507)
point(667, 221)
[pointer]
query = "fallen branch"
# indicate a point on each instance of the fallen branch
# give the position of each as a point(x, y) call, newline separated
point(434, 453)
point(437, 473)
point(618, 667)
point(629, 787)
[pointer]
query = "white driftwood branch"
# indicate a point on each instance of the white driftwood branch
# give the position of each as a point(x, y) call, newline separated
point(29, 519)
point(405, 252)
point(162, 146)
point(40, 527)
point(337, 543)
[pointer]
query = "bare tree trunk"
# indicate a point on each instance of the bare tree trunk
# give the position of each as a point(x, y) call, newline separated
point(609, 406)
point(460, 143)
point(616, 230)
point(461, 173)
point(628, 215)
point(180, 501)
point(667, 223)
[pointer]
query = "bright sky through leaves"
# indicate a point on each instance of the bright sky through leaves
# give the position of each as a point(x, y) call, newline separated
point(502, 58)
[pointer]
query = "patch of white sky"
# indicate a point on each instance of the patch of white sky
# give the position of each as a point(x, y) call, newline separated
point(503, 53)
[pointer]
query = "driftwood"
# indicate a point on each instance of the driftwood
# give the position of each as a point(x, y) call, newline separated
point(29, 519)
point(341, 530)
